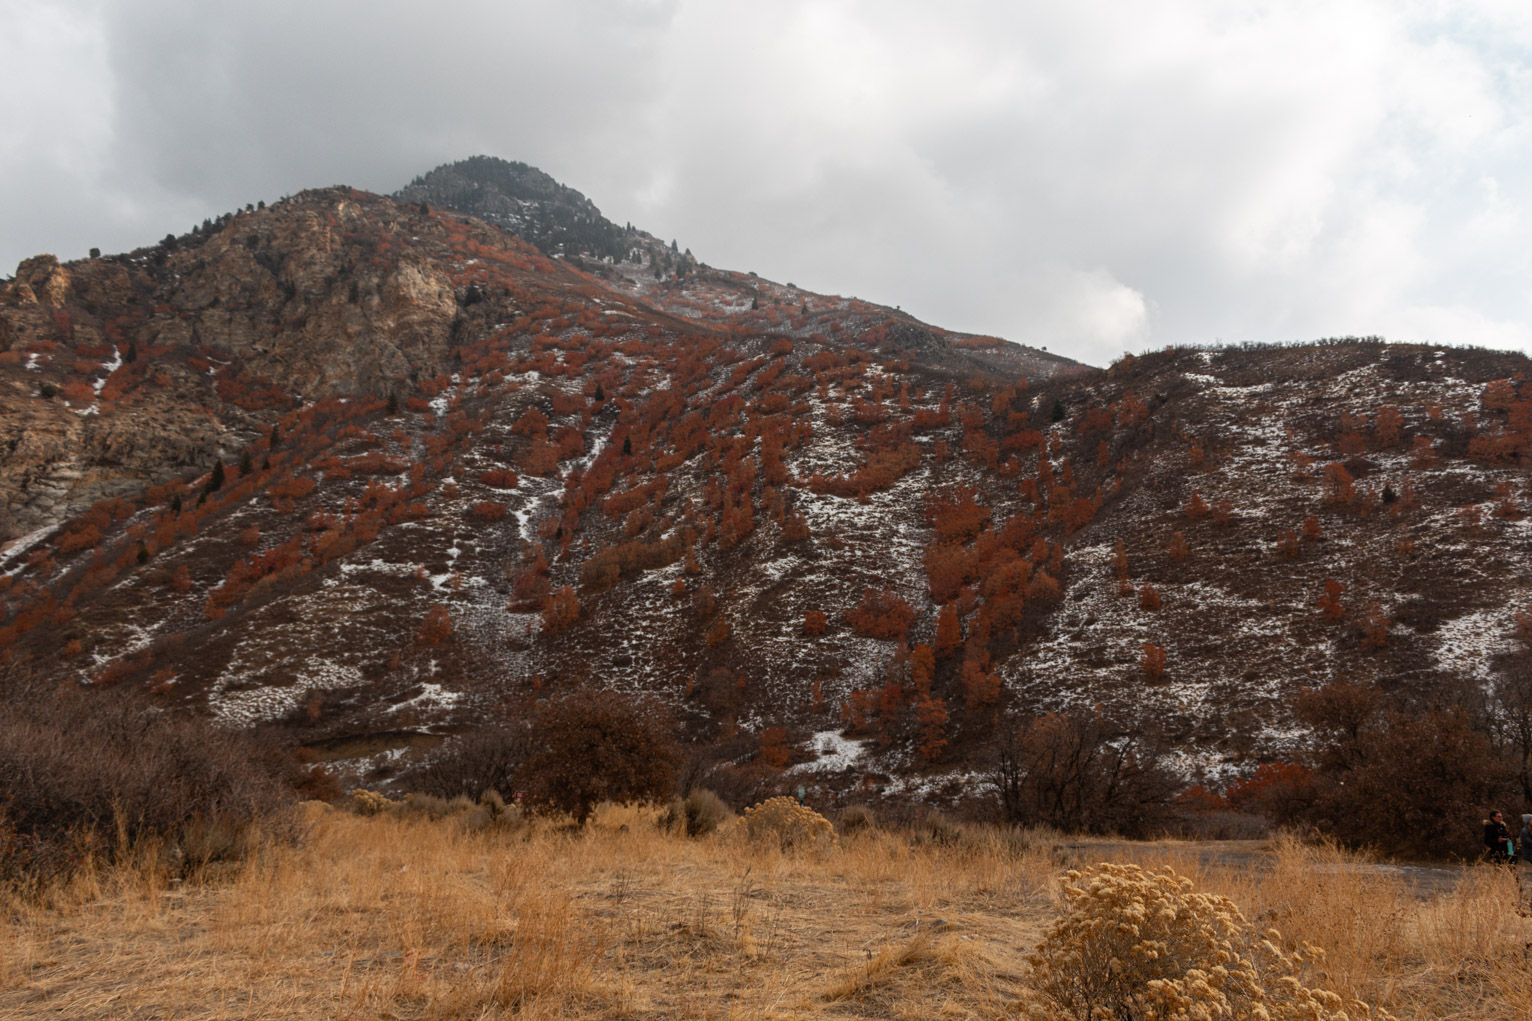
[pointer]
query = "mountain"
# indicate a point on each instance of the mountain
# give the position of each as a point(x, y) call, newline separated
point(382, 471)
point(552, 217)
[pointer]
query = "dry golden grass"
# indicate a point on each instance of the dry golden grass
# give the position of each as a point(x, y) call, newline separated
point(1464, 954)
point(403, 917)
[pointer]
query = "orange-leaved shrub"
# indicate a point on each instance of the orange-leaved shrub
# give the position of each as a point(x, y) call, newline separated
point(881, 614)
point(437, 626)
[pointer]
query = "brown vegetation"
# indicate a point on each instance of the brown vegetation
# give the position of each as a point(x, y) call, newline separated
point(595, 746)
point(433, 912)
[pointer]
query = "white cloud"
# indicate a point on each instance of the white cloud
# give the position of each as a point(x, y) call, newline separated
point(1087, 176)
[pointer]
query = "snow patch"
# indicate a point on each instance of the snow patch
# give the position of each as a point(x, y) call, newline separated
point(432, 696)
point(253, 705)
point(14, 550)
point(1466, 645)
point(836, 753)
point(110, 367)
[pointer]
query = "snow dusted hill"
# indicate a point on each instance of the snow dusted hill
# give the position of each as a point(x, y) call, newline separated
point(460, 476)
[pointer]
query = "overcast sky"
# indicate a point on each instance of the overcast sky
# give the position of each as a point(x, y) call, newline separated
point(1088, 175)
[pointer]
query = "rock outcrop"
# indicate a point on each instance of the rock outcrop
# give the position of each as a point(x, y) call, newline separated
point(120, 372)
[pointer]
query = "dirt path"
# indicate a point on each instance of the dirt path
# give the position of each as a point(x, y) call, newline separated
point(1427, 880)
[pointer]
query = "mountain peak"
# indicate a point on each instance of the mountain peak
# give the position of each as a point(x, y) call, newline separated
point(526, 201)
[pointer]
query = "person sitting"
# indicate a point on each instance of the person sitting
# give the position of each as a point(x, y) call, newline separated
point(1497, 840)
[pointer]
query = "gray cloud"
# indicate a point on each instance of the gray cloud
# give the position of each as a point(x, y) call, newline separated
point(1094, 177)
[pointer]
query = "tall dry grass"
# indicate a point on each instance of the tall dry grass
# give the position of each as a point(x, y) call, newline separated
point(405, 916)
point(1460, 948)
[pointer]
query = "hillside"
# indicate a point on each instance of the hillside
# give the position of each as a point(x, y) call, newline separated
point(467, 464)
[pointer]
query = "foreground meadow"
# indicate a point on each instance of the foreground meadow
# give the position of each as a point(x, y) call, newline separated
point(392, 916)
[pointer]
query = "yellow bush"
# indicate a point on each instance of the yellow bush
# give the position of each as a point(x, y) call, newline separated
point(789, 824)
point(365, 802)
point(1139, 945)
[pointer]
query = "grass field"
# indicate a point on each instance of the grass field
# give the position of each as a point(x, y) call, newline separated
point(404, 917)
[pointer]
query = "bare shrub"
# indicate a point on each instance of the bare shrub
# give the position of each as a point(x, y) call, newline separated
point(746, 783)
point(434, 808)
point(596, 746)
point(1082, 772)
point(97, 775)
point(936, 827)
point(857, 819)
point(484, 760)
point(489, 810)
point(1222, 825)
point(1136, 944)
point(1405, 782)
point(703, 812)
point(1511, 703)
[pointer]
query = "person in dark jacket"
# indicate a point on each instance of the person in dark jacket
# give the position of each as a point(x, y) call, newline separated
point(1524, 838)
point(1496, 838)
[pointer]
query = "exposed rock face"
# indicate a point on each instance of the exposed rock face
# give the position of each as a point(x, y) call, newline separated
point(58, 462)
point(291, 297)
point(42, 443)
point(39, 280)
point(332, 292)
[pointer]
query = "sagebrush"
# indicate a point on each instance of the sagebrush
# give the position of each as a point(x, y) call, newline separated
point(1133, 944)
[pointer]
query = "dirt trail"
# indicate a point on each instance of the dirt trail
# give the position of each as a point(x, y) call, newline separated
point(1428, 880)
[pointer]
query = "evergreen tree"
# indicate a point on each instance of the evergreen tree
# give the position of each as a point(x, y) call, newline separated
point(132, 355)
point(276, 437)
point(1058, 410)
point(393, 403)
point(627, 446)
point(600, 393)
point(143, 554)
point(215, 481)
point(245, 467)
point(175, 504)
